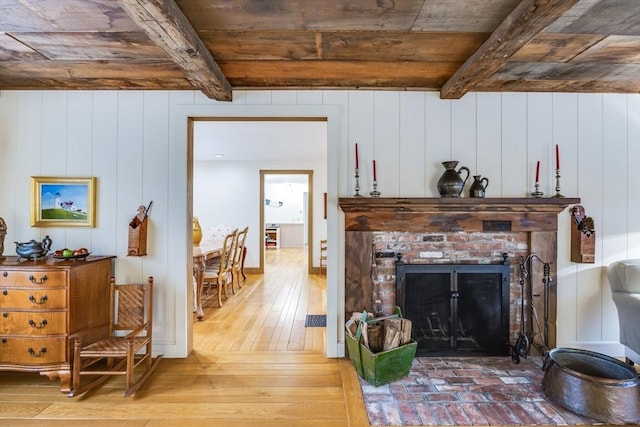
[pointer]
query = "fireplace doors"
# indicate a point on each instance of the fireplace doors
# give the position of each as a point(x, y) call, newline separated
point(456, 310)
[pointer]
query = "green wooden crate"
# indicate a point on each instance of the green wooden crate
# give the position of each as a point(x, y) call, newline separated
point(353, 348)
point(387, 366)
point(383, 367)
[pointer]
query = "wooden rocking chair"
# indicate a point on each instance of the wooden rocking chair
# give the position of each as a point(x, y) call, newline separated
point(126, 346)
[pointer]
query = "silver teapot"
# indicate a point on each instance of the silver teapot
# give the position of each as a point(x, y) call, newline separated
point(32, 249)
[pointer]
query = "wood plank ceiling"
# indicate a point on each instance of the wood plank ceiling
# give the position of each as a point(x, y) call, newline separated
point(451, 46)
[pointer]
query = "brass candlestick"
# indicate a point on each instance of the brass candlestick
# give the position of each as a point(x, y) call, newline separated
point(375, 192)
point(558, 184)
point(358, 184)
point(537, 192)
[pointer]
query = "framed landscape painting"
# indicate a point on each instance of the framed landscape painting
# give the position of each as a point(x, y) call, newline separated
point(63, 202)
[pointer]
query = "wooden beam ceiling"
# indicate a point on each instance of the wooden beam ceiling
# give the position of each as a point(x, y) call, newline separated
point(169, 29)
point(450, 46)
point(526, 21)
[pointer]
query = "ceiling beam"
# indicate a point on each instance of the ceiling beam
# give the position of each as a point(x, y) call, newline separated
point(528, 19)
point(169, 28)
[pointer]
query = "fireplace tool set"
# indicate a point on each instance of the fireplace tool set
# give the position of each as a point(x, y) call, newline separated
point(521, 346)
point(525, 338)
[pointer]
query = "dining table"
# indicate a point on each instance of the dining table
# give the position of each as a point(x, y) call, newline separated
point(202, 253)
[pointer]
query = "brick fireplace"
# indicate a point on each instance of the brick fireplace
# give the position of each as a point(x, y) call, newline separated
point(447, 231)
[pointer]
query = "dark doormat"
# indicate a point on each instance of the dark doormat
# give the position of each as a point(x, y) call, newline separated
point(315, 321)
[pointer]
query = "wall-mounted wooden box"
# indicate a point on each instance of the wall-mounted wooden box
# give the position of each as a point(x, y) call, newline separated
point(138, 239)
point(583, 237)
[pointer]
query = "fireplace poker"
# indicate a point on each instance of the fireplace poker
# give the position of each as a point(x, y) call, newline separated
point(546, 279)
point(544, 332)
point(521, 346)
point(545, 349)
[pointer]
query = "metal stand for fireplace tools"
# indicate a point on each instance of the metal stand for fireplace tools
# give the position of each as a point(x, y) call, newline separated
point(521, 346)
point(524, 341)
point(544, 335)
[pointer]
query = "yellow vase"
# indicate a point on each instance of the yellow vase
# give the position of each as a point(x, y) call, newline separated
point(197, 232)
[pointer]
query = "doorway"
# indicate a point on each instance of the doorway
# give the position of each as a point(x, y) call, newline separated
point(297, 122)
point(286, 212)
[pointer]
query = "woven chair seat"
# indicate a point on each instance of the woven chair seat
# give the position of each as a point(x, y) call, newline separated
point(113, 346)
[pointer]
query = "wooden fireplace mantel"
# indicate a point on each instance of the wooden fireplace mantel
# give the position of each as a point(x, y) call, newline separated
point(453, 214)
point(453, 204)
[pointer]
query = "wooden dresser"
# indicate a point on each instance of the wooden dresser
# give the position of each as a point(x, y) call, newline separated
point(42, 303)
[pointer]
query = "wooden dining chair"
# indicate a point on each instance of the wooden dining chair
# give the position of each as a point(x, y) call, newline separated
point(238, 258)
point(323, 255)
point(218, 274)
point(126, 345)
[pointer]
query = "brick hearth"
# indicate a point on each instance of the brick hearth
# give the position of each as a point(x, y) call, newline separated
point(467, 391)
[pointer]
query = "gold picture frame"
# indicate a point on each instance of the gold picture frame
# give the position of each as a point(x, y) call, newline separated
point(63, 201)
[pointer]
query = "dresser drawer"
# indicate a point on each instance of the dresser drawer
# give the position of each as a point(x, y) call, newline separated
point(32, 351)
point(33, 299)
point(39, 278)
point(32, 322)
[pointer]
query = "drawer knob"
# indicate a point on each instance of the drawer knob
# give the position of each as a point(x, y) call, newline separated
point(42, 300)
point(41, 353)
point(42, 324)
point(33, 280)
point(5, 292)
point(5, 274)
point(5, 314)
point(4, 340)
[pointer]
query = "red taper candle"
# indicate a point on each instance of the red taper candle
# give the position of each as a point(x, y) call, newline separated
point(375, 177)
point(538, 171)
point(357, 161)
point(557, 158)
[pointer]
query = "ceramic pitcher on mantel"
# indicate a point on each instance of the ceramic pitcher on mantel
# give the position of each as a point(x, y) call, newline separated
point(451, 183)
point(479, 186)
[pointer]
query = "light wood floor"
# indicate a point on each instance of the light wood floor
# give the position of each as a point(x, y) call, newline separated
point(254, 364)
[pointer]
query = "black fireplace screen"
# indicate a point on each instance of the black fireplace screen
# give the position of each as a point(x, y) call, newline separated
point(457, 309)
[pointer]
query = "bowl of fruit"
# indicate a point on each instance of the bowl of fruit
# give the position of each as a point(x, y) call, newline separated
point(66, 253)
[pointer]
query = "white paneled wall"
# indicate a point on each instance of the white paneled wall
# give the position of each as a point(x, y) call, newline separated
point(135, 143)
